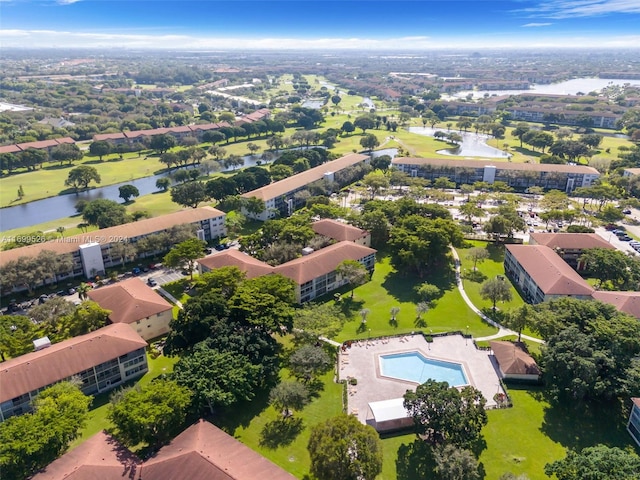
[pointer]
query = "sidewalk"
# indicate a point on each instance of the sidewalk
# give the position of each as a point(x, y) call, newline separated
point(502, 332)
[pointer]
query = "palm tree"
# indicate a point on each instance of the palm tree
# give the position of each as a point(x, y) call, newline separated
point(364, 313)
point(394, 313)
point(421, 308)
point(82, 291)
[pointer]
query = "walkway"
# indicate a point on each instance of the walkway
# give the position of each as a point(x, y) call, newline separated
point(170, 297)
point(502, 331)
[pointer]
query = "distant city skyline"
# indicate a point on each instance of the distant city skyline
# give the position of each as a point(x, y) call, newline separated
point(320, 25)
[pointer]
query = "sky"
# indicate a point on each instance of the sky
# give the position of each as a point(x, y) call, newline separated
point(320, 25)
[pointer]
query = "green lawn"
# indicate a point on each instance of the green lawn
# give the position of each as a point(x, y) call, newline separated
point(287, 446)
point(388, 289)
point(98, 421)
point(486, 270)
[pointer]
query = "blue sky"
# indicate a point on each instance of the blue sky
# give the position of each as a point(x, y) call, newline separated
point(307, 24)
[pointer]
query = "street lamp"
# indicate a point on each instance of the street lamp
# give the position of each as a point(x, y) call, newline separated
point(466, 336)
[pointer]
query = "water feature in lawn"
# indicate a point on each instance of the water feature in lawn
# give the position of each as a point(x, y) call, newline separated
point(472, 145)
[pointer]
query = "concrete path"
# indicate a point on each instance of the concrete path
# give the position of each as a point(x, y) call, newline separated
point(171, 298)
point(502, 331)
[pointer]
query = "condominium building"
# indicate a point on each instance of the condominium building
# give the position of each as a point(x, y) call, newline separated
point(93, 252)
point(542, 275)
point(100, 360)
point(519, 176)
point(279, 197)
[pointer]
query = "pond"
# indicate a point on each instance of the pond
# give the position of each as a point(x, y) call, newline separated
point(472, 145)
point(51, 208)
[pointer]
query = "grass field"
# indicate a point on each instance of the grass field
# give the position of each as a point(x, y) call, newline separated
point(490, 268)
point(389, 288)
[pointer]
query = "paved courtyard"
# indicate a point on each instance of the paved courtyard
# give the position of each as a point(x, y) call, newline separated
point(361, 362)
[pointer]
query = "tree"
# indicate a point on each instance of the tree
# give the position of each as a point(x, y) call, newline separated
point(375, 181)
point(518, 319)
point(32, 157)
point(369, 141)
point(100, 148)
point(31, 441)
point(170, 159)
point(477, 255)
point(608, 265)
point(470, 210)
point(216, 379)
point(224, 280)
point(104, 213)
point(381, 163)
point(453, 463)
point(86, 318)
point(162, 143)
point(308, 361)
point(421, 309)
point(446, 415)
point(254, 206)
point(353, 272)
point(128, 191)
point(342, 448)
point(66, 152)
point(55, 264)
point(81, 177)
point(597, 462)
point(287, 396)
point(265, 302)
point(185, 255)
point(496, 290)
point(189, 194)
point(163, 183)
point(520, 130)
point(427, 292)
point(348, 127)
point(364, 122)
point(316, 320)
point(196, 321)
point(153, 414)
point(17, 333)
point(234, 222)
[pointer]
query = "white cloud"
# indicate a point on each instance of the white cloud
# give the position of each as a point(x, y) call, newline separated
point(583, 8)
point(66, 2)
point(66, 39)
point(534, 24)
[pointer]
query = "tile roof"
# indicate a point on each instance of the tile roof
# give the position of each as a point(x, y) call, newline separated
point(101, 457)
point(338, 230)
point(633, 171)
point(549, 271)
point(321, 262)
point(34, 370)
point(636, 402)
point(108, 136)
point(40, 144)
point(627, 302)
point(294, 182)
point(578, 241)
point(10, 149)
point(513, 360)
point(204, 452)
point(129, 301)
point(127, 230)
point(536, 167)
point(252, 267)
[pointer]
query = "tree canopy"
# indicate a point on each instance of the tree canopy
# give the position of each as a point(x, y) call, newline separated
point(31, 441)
point(342, 448)
point(446, 415)
point(153, 414)
point(597, 462)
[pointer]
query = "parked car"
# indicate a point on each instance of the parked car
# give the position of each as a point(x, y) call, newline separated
point(625, 238)
point(626, 212)
point(135, 271)
point(152, 282)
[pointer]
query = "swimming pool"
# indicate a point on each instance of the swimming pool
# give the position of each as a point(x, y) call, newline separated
point(414, 367)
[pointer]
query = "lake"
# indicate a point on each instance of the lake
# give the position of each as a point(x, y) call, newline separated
point(568, 87)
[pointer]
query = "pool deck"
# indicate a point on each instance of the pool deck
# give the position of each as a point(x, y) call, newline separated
point(361, 362)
